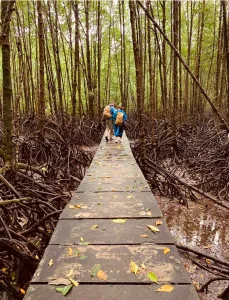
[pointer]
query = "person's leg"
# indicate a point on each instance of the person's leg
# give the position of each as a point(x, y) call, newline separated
point(111, 129)
point(107, 130)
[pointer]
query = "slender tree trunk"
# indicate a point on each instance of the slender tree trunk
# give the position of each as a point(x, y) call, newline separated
point(7, 147)
point(225, 31)
point(41, 99)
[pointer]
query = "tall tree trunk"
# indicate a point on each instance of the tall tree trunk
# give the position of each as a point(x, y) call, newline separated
point(138, 67)
point(41, 99)
point(175, 65)
point(225, 31)
point(7, 147)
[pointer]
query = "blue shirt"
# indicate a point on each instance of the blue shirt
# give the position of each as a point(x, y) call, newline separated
point(113, 112)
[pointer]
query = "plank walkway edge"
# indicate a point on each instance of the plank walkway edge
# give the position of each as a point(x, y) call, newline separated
point(113, 188)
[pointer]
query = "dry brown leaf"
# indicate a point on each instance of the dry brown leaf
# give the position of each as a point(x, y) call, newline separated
point(158, 222)
point(102, 275)
point(144, 235)
point(208, 261)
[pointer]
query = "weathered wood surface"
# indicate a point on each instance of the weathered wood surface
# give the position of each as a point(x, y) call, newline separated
point(113, 188)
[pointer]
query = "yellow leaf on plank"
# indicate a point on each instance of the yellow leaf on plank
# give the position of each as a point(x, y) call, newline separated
point(78, 205)
point(153, 228)
point(129, 197)
point(158, 222)
point(102, 275)
point(94, 227)
point(50, 262)
point(74, 282)
point(115, 197)
point(134, 267)
point(167, 288)
point(71, 206)
point(22, 291)
point(69, 251)
point(149, 213)
point(208, 261)
point(166, 250)
point(119, 221)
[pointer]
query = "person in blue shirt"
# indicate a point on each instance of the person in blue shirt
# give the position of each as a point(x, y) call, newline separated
point(110, 123)
point(120, 117)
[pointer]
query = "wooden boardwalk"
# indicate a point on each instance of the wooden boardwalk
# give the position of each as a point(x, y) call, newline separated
point(113, 188)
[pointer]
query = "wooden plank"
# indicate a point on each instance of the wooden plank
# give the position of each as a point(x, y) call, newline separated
point(112, 205)
point(126, 181)
point(112, 292)
point(115, 261)
point(68, 232)
point(108, 187)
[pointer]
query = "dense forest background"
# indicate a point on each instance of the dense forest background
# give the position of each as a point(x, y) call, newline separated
point(85, 50)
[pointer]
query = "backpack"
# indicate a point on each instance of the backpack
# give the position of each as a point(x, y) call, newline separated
point(119, 118)
point(107, 112)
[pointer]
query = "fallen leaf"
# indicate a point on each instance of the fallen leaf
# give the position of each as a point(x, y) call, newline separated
point(78, 205)
point(158, 222)
point(115, 197)
point(143, 266)
point(95, 269)
point(153, 228)
point(77, 252)
point(196, 284)
point(144, 235)
point(81, 239)
point(119, 221)
point(64, 290)
point(149, 213)
point(94, 227)
point(142, 213)
point(74, 282)
point(112, 189)
point(70, 273)
point(50, 262)
point(84, 244)
point(129, 197)
point(166, 288)
point(4, 269)
point(134, 267)
point(59, 281)
point(70, 251)
point(22, 291)
point(102, 275)
point(71, 206)
point(152, 276)
point(83, 256)
point(166, 250)
point(208, 261)
point(37, 257)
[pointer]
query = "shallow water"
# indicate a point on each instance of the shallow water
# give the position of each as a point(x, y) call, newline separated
point(204, 227)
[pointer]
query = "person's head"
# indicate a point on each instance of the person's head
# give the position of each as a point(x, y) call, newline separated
point(120, 106)
point(112, 104)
